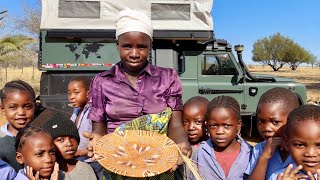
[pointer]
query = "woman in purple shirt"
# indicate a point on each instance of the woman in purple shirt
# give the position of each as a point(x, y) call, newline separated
point(134, 87)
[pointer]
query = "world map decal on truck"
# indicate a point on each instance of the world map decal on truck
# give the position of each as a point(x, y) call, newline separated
point(78, 49)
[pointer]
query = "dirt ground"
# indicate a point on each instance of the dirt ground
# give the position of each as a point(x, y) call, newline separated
point(306, 75)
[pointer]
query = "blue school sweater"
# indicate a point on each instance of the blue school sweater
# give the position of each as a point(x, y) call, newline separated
point(209, 168)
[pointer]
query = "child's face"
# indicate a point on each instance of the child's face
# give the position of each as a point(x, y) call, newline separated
point(38, 152)
point(194, 123)
point(18, 107)
point(66, 147)
point(303, 144)
point(223, 126)
point(271, 120)
point(77, 94)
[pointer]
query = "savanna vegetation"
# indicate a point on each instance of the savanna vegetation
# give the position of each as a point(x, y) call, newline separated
point(277, 51)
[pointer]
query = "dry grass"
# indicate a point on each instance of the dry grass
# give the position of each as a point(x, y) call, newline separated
point(307, 75)
point(33, 78)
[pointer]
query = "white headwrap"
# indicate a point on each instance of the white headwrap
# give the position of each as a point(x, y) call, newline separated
point(132, 20)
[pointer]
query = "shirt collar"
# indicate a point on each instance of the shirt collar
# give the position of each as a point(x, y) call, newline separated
point(5, 130)
point(117, 70)
point(244, 146)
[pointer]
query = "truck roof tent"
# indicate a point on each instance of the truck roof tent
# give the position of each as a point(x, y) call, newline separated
point(172, 19)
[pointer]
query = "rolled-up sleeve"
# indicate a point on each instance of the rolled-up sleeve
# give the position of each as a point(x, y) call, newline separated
point(174, 93)
point(96, 99)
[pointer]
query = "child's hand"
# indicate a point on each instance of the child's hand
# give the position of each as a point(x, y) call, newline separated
point(55, 173)
point(292, 175)
point(271, 144)
point(311, 175)
point(29, 173)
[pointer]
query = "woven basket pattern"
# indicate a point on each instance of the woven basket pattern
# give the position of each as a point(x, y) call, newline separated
point(136, 153)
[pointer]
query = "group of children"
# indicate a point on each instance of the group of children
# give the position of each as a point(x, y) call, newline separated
point(291, 149)
point(57, 149)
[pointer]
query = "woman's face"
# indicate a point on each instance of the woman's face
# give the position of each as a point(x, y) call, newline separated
point(134, 48)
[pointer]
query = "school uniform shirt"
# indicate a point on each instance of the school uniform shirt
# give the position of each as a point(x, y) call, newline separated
point(21, 175)
point(274, 164)
point(275, 174)
point(209, 168)
point(84, 124)
point(5, 131)
point(114, 100)
point(8, 152)
point(6, 171)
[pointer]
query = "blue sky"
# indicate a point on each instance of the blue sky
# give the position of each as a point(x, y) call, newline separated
point(245, 21)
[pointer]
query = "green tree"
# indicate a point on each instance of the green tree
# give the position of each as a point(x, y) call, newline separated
point(271, 50)
point(295, 55)
point(13, 43)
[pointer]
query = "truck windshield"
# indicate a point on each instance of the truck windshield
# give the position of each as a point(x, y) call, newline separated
point(218, 64)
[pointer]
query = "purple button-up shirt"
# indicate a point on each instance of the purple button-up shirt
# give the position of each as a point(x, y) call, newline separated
point(113, 99)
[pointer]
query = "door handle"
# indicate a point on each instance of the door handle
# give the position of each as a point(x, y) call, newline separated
point(218, 91)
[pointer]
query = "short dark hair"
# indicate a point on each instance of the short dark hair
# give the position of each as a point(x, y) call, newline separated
point(301, 114)
point(17, 85)
point(283, 96)
point(198, 100)
point(85, 80)
point(224, 102)
point(26, 132)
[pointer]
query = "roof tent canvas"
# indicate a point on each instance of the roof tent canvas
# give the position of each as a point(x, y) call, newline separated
point(186, 15)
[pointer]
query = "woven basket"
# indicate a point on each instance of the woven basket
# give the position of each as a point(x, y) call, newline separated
point(136, 153)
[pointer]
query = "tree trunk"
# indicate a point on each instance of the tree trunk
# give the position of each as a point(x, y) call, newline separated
point(294, 66)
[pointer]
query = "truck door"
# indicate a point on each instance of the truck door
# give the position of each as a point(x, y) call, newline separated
point(218, 75)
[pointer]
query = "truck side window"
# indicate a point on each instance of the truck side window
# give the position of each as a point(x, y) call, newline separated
point(219, 64)
point(210, 65)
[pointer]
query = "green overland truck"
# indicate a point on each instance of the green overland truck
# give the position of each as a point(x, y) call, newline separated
point(78, 38)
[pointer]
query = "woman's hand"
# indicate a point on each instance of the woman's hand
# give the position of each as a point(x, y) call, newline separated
point(82, 152)
point(186, 150)
point(93, 138)
point(289, 174)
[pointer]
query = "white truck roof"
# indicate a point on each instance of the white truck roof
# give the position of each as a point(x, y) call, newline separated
point(186, 15)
